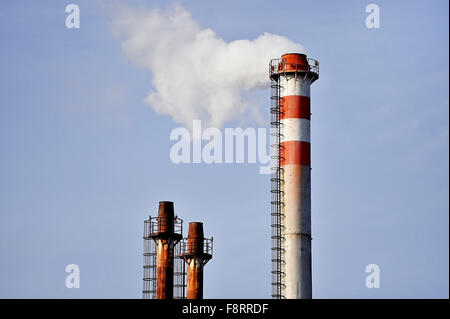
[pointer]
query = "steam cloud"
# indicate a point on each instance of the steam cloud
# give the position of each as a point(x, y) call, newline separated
point(196, 74)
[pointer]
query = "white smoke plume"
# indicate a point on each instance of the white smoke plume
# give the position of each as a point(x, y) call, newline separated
point(196, 74)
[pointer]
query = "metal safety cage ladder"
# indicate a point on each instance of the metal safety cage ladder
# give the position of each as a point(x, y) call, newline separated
point(179, 273)
point(150, 259)
point(149, 288)
point(277, 181)
point(206, 249)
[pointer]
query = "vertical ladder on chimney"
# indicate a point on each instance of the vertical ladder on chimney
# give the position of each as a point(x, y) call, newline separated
point(150, 259)
point(149, 286)
point(179, 273)
point(277, 205)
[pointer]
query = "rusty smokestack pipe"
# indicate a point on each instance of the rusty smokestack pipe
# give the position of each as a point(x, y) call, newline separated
point(165, 239)
point(166, 217)
point(196, 257)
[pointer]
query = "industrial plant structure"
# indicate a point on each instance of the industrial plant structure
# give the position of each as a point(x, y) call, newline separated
point(291, 77)
point(166, 255)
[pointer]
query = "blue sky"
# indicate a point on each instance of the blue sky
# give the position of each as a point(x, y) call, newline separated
point(85, 160)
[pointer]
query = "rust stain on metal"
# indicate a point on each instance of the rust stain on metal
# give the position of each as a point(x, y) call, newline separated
point(293, 62)
point(164, 270)
point(165, 238)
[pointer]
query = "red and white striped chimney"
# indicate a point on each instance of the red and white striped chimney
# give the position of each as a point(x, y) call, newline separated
point(294, 76)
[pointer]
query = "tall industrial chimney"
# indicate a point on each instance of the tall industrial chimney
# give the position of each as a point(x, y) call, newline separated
point(165, 238)
point(291, 78)
point(197, 251)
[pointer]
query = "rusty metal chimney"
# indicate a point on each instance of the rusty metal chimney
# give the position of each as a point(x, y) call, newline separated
point(197, 251)
point(165, 238)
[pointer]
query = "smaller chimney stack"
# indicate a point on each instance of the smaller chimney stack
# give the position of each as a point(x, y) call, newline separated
point(197, 251)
